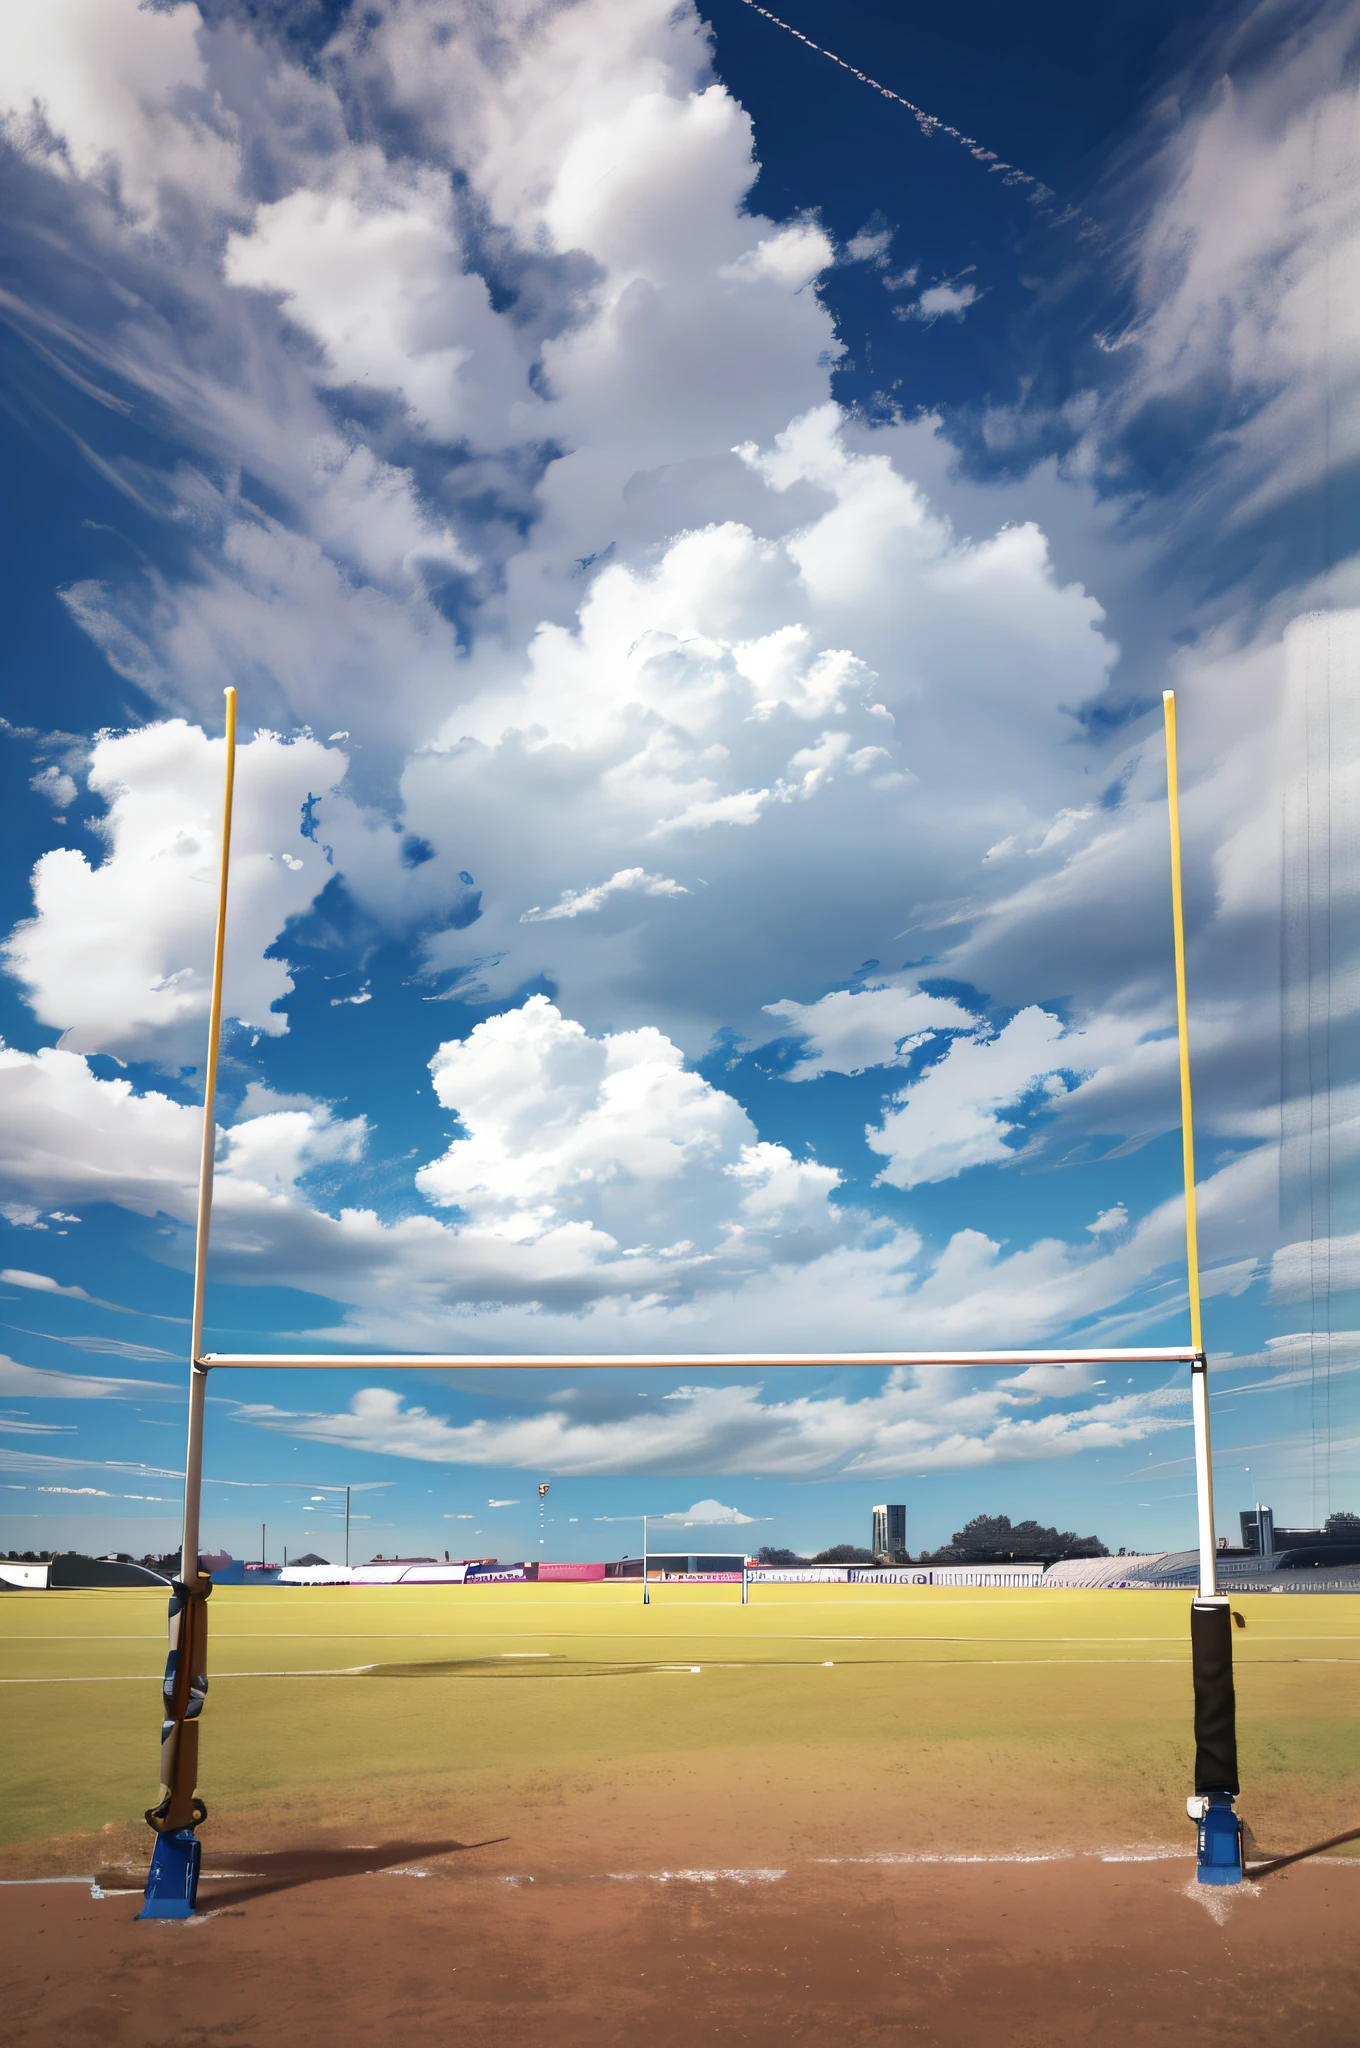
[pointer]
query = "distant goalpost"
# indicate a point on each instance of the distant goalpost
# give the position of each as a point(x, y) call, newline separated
point(172, 1882)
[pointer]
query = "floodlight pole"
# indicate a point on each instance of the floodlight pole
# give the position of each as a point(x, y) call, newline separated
point(1219, 1855)
point(646, 1590)
point(347, 1530)
point(172, 1882)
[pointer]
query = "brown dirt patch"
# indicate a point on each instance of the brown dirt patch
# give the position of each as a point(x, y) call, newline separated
point(312, 1952)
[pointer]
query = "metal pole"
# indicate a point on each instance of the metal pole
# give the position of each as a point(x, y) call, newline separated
point(347, 1528)
point(1218, 1853)
point(744, 1576)
point(646, 1591)
point(263, 1552)
point(1199, 1376)
point(198, 1378)
point(172, 1882)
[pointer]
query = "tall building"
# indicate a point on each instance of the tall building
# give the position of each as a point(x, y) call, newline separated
point(890, 1535)
point(1258, 1531)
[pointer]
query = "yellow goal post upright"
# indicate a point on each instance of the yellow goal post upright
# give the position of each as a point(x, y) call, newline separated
point(172, 1882)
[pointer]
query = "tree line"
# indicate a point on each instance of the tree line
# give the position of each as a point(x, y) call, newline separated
point(987, 1539)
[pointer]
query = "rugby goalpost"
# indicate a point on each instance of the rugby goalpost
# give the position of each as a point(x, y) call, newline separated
point(172, 1882)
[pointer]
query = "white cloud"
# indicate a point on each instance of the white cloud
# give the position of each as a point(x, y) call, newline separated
point(793, 256)
point(1241, 298)
point(118, 956)
point(40, 1383)
point(272, 1152)
point(593, 1174)
point(67, 1136)
point(609, 176)
point(952, 1118)
point(57, 786)
point(1299, 1271)
point(707, 1514)
point(870, 245)
point(743, 680)
point(918, 1422)
point(377, 275)
point(824, 674)
point(599, 1142)
point(940, 301)
point(41, 1283)
point(121, 91)
point(852, 1029)
point(581, 902)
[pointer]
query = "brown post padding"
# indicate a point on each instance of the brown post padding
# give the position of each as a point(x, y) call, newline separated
point(185, 1689)
point(1215, 1700)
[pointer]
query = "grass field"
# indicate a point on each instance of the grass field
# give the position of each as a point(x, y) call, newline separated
point(832, 1720)
point(869, 1816)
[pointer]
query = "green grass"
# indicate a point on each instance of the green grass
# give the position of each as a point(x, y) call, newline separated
point(940, 1699)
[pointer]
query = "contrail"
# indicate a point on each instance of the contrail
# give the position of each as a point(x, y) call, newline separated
point(930, 124)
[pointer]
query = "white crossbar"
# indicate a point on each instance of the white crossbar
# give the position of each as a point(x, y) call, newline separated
point(558, 1361)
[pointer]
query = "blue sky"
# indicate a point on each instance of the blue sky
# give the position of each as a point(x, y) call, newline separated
point(699, 552)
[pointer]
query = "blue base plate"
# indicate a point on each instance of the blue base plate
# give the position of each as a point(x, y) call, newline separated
point(172, 1881)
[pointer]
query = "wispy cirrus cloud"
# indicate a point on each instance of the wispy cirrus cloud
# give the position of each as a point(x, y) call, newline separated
point(43, 1383)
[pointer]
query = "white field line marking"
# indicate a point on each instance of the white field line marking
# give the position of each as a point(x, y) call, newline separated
point(696, 1876)
point(149, 1677)
point(715, 1664)
point(1044, 1856)
point(1218, 1900)
point(1245, 1650)
point(355, 1671)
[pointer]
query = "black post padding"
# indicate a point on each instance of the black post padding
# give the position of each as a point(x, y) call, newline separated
point(1215, 1700)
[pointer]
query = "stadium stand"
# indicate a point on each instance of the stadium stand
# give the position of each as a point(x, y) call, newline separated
point(1102, 1571)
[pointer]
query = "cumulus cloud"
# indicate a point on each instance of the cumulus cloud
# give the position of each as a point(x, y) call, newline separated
point(118, 955)
point(584, 1141)
point(744, 700)
point(57, 786)
point(376, 273)
point(939, 301)
point(661, 331)
point(506, 456)
point(852, 1029)
point(951, 1118)
point(596, 1177)
point(119, 94)
point(67, 1136)
point(918, 1422)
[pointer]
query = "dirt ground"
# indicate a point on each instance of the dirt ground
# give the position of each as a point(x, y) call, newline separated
point(427, 1942)
point(935, 1822)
